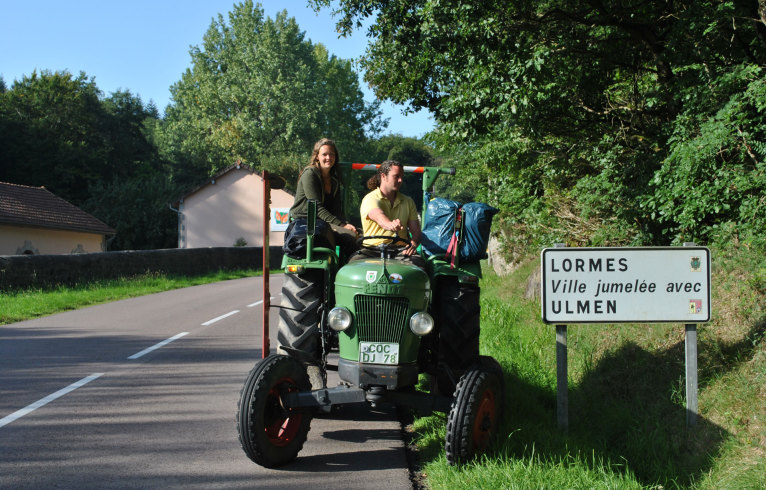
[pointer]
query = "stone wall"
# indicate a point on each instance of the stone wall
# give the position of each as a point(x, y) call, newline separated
point(19, 271)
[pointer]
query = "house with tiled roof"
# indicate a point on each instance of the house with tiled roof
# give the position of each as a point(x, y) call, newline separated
point(35, 221)
point(228, 209)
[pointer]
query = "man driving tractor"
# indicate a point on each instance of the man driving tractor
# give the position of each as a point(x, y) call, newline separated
point(386, 211)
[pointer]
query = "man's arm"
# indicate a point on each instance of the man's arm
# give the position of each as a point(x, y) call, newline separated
point(378, 216)
point(413, 226)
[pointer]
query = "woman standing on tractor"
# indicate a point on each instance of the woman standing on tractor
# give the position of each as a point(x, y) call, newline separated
point(320, 181)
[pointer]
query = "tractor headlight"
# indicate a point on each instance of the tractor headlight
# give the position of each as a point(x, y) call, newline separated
point(421, 324)
point(339, 318)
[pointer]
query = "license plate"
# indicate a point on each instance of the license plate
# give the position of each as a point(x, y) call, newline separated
point(378, 352)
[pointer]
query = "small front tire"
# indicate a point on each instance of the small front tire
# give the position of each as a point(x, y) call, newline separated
point(271, 434)
point(476, 411)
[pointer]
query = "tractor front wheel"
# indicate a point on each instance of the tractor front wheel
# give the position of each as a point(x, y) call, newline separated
point(476, 411)
point(271, 434)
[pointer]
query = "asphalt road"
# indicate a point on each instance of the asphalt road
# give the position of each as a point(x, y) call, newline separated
point(85, 404)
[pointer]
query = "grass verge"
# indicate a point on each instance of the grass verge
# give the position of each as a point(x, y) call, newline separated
point(32, 303)
point(627, 411)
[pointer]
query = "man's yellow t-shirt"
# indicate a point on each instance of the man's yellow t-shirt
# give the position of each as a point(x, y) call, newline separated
point(403, 209)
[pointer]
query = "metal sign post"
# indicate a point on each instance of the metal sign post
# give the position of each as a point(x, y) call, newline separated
point(690, 352)
point(690, 347)
point(562, 374)
point(562, 382)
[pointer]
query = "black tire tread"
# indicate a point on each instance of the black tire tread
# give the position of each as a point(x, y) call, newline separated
point(458, 320)
point(258, 383)
point(302, 297)
point(485, 372)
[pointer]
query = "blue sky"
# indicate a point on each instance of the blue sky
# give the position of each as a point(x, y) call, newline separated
point(143, 45)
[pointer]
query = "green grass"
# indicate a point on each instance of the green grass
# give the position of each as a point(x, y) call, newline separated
point(627, 416)
point(31, 303)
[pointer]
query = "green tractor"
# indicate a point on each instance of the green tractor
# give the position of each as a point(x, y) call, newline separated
point(390, 322)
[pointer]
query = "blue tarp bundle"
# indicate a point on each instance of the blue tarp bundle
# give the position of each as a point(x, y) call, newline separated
point(478, 221)
point(440, 224)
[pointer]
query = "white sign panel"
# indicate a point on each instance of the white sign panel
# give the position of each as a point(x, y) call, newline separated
point(279, 219)
point(626, 285)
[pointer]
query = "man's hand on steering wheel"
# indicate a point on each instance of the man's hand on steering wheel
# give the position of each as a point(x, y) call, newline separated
point(411, 249)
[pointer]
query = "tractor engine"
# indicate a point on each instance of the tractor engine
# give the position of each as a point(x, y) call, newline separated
point(381, 313)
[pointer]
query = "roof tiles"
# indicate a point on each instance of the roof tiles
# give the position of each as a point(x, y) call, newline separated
point(38, 207)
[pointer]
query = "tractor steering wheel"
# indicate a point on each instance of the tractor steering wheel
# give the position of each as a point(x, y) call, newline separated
point(384, 247)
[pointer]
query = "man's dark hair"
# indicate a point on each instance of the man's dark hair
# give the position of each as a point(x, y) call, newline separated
point(385, 167)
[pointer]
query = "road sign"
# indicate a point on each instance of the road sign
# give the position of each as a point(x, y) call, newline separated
point(626, 285)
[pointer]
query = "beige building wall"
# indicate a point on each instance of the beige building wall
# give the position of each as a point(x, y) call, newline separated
point(229, 208)
point(17, 240)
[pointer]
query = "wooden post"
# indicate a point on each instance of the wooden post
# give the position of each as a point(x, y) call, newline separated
point(266, 294)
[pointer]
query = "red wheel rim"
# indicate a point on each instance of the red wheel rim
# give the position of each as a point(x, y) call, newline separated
point(483, 424)
point(281, 424)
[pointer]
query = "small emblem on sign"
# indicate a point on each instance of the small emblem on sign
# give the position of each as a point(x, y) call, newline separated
point(371, 276)
point(396, 278)
point(696, 264)
point(695, 306)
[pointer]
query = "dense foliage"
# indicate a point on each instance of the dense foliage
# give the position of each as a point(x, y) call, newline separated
point(596, 124)
point(587, 122)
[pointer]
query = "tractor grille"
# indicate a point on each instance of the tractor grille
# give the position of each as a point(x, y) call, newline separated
point(379, 318)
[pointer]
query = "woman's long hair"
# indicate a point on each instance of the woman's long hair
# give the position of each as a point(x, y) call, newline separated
point(385, 167)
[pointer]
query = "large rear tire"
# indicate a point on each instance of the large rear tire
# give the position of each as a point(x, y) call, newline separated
point(270, 434)
point(458, 320)
point(302, 297)
point(476, 411)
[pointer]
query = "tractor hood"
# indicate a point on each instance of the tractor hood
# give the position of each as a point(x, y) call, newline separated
point(382, 277)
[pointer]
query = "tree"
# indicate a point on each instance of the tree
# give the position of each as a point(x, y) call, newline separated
point(564, 110)
point(52, 134)
point(137, 208)
point(260, 93)
point(57, 131)
point(128, 129)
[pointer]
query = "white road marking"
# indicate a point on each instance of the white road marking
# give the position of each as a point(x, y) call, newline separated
point(259, 302)
point(157, 346)
point(44, 401)
point(210, 322)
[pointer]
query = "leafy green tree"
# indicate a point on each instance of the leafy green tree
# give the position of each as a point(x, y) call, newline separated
point(137, 208)
point(128, 128)
point(259, 92)
point(713, 182)
point(563, 112)
point(58, 131)
point(52, 134)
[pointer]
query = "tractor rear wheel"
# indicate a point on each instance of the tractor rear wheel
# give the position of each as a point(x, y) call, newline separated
point(459, 327)
point(302, 296)
point(476, 411)
point(270, 434)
